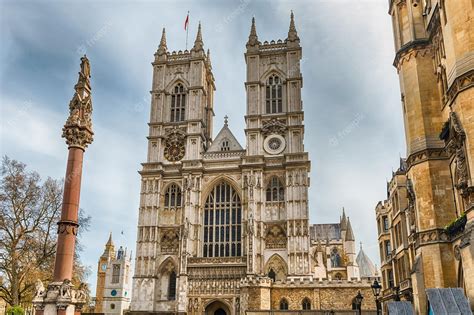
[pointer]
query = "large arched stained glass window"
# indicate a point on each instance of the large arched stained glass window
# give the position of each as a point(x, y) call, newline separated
point(222, 222)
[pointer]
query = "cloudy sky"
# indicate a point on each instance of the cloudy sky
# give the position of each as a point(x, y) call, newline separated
point(354, 128)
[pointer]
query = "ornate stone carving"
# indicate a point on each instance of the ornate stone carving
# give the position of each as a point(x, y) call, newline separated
point(174, 145)
point(78, 127)
point(274, 126)
point(169, 241)
point(275, 236)
point(454, 137)
point(460, 84)
point(39, 289)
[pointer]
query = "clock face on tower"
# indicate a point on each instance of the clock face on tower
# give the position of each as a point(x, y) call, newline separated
point(104, 267)
point(174, 151)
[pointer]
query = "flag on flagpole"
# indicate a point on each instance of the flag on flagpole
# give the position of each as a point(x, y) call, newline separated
point(186, 22)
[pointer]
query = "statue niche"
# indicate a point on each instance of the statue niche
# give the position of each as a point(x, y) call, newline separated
point(336, 259)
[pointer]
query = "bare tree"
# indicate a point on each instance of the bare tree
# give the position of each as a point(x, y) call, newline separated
point(29, 212)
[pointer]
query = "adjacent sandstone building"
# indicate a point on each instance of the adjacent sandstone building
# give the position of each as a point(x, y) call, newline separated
point(425, 226)
point(224, 228)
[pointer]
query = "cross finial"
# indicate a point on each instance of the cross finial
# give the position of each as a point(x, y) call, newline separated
point(361, 245)
point(226, 120)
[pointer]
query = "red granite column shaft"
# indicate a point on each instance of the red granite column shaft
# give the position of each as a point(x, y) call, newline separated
point(67, 226)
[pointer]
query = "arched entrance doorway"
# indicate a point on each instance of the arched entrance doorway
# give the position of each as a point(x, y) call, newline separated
point(217, 308)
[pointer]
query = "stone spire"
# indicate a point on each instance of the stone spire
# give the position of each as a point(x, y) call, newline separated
point(109, 247)
point(349, 233)
point(198, 43)
point(78, 127)
point(343, 220)
point(292, 33)
point(253, 38)
point(162, 49)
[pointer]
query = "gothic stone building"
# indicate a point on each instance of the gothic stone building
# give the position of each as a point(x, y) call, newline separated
point(223, 229)
point(426, 223)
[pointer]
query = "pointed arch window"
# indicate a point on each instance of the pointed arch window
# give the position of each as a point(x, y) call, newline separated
point(222, 222)
point(273, 95)
point(173, 196)
point(178, 104)
point(275, 191)
point(172, 286)
point(306, 304)
point(283, 304)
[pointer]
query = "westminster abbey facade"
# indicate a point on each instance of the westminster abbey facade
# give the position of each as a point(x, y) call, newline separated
point(224, 228)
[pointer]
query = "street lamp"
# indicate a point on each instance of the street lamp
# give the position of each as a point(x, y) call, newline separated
point(376, 287)
point(358, 302)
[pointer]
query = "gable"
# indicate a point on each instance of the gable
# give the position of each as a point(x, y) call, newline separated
point(225, 141)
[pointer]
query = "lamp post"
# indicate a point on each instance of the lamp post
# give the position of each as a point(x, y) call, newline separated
point(376, 287)
point(358, 302)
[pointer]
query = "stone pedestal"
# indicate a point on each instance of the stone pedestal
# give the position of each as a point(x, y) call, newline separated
point(60, 298)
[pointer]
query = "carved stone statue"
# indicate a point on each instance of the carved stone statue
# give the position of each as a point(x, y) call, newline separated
point(335, 258)
point(85, 67)
point(39, 288)
point(65, 289)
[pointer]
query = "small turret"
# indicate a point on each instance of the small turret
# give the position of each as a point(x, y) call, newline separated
point(343, 220)
point(349, 234)
point(198, 43)
point(253, 38)
point(293, 38)
point(162, 49)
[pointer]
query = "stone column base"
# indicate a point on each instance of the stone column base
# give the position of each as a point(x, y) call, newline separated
point(60, 298)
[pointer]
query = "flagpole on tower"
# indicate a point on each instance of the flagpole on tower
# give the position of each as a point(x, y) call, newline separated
point(186, 27)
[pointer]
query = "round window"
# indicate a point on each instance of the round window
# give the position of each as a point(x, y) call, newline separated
point(113, 292)
point(274, 144)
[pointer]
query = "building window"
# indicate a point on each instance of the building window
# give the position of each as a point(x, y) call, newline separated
point(173, 196)
point(388, 249)
point(172, 286)
point(115, 273)
point(178, 104)
point(225, 145)
point(306, 304)
point(283, 304)
point(390, 278)
point(222, 222)
point(112, 306)
point(385, 224)
point(275, 190)
point(273, 94)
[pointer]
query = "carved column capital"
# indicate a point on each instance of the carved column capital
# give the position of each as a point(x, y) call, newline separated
point(78, 127)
